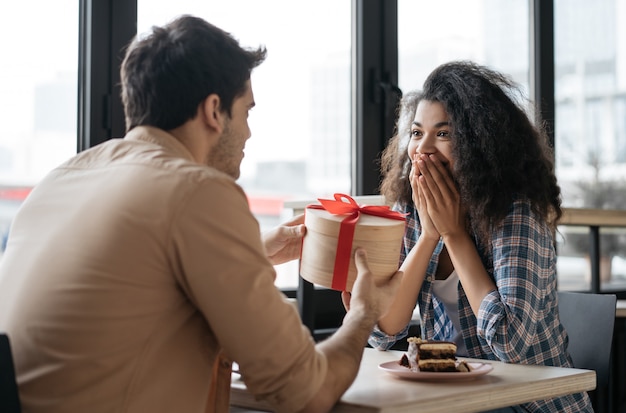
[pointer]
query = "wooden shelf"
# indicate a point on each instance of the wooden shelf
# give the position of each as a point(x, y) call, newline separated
point(593, 217)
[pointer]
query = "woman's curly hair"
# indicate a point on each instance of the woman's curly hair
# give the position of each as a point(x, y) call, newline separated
point(500, 154)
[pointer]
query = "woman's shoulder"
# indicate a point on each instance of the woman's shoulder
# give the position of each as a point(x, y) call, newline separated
point(522, 215)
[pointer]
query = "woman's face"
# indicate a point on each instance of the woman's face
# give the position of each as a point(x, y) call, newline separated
point(430, 133)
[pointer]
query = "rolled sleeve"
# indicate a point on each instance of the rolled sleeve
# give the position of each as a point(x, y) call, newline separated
point(380, 340)
point(512, 318)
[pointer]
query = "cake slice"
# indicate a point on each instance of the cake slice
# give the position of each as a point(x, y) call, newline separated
point(430, 355)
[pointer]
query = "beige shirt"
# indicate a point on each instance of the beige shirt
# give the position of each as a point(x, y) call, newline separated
point(127, 269)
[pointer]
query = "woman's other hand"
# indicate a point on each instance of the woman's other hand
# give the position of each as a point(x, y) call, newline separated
point(442, 199)
point(428, 229)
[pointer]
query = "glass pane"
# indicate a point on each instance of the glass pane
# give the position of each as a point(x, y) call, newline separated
point(300, 145)
point(489, 32)
point(574, 264)
point(590, 120)
point(38, 96)
point(590, 88)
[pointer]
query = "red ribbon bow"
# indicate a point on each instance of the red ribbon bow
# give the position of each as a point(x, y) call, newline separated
point(346, 230)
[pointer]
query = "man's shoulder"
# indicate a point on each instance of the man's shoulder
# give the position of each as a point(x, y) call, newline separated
point(147, 167)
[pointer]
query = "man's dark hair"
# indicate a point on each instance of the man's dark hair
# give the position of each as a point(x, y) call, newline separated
point(167, 74)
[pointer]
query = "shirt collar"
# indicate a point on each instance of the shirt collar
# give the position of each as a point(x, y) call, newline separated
point(161, 138)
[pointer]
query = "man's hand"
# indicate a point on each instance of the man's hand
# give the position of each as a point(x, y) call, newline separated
point(370, 298)
point(374, 295)
point(283, 243)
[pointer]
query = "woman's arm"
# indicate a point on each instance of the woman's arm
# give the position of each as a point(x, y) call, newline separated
point(520, 315)
point(414, 270)
point(468, 265)
point(415, 264)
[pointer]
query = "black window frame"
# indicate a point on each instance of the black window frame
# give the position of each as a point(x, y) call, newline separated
point(107, 26)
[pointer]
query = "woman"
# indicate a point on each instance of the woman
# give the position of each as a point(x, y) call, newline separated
point(477, 181)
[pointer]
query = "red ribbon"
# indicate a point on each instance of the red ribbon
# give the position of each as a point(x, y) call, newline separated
point(346, 230)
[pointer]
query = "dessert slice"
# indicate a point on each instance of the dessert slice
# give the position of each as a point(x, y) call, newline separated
point(433, 356)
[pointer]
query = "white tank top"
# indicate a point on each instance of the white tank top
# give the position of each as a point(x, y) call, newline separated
point(446, 291)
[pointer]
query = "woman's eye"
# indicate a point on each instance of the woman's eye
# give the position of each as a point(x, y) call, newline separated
point(416, 134)
point(443, 134)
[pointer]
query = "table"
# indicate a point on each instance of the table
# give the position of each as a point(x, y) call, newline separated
point(507, 384)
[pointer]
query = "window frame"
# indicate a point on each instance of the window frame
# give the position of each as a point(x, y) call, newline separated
point(106, 27)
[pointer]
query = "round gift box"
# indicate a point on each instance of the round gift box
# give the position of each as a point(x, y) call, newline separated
point(380, 237)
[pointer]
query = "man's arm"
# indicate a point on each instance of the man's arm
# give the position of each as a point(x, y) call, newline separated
point(344, 349)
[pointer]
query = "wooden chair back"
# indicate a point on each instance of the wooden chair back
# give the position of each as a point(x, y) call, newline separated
point(219, 392)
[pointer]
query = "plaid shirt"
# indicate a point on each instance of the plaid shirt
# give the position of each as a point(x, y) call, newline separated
point(516, 323)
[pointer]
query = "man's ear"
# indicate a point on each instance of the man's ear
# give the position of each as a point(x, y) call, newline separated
point(213, 117)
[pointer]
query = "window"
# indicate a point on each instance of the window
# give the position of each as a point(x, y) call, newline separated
point(38, 96)
point(319, 124)
point(489, 32)
point(590, 130)
point(590, 88)
point(300, 146)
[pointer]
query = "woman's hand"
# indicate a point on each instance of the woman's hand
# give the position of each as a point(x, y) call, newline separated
point(448, 215)
point(284, 243)
point(441, 197)
point(428, 229)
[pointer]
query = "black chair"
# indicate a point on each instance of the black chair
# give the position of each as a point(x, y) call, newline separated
point(9, 396)
point(589, 320)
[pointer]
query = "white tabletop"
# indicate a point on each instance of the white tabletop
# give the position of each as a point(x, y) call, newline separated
point(507, 384)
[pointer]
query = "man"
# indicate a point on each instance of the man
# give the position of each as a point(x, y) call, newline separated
point(133, 265)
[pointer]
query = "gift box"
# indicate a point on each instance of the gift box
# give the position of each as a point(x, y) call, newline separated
point(335, 228)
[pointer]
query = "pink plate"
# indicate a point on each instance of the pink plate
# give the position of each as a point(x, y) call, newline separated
point(476, 369)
